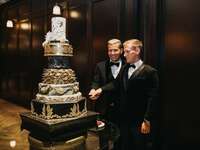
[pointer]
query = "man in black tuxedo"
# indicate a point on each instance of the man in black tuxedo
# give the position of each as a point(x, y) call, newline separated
point(105, 72)
point(138, 86)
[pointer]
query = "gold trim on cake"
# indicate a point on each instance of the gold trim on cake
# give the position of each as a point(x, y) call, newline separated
point(59, 99)
point(75, 110)
point(48, 112)
point(56, 118)
point(58, 76)
point(58, 49)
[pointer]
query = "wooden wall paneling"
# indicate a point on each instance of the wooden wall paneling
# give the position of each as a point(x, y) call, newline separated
point(37, 55)
point(38, 31)
point(105, 25)
point(89, 29)
point(150, 32)
point(38, 37)
point(12, 14)
point(160, 34)
point(181, 75)
point(77, 35)
point(3, 38)
point(3, 47)
point(50, 4)
point(25, 51)
point(12, 53)
point(24, 29)
point(130, 19)
point(38, 7)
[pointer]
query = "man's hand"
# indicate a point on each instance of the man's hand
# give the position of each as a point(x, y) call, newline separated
point(94, 94)
point(145, 127)
point(92, 91)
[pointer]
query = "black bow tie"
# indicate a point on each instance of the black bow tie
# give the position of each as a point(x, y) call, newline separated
point(113, 63)
point(132, 65)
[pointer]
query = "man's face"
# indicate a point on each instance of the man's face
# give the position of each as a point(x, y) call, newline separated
point(114, 52)
point(131, 53)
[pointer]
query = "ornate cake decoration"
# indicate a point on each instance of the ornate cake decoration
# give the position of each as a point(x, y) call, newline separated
point(57, 49)
point(48, 112)
point(58, 76)
point(59, 97)
point(58, 89)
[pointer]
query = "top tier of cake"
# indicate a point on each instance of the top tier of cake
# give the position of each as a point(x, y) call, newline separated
point(58, 30)
point(55, 43)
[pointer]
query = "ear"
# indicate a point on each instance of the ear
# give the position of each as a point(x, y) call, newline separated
point(137, 50)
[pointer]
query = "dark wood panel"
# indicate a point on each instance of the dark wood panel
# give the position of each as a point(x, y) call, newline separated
point(37, 53)
point(130, 19)
point(150, 33)
point(181, 76)
point(105, 25)
point(38, 35)
point(38, 7)
point(78, 38)
point(12, 33)
point(9, 52)
point(24, 37)
point(24, 9)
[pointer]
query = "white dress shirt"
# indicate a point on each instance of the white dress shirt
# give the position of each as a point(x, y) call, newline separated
point(137, 65)
point(115, 69)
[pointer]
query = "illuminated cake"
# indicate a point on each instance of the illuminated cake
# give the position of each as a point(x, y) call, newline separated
point(59, 96)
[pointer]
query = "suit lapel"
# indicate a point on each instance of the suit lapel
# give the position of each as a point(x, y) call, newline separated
point(108, 73)
point(103, 69)
point(122, 66)
point(125, 77)
point(137, 72)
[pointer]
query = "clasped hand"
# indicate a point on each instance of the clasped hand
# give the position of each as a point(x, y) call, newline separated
point(94, 94)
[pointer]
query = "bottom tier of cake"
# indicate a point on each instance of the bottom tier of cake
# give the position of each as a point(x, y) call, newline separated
point(59, 110)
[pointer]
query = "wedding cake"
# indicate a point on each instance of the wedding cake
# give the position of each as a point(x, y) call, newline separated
point(58, 94)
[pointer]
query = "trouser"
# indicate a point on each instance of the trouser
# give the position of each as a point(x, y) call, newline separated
point(132, 139)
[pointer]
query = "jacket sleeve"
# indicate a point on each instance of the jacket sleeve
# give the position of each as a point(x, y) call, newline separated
point(152, 95)
point(112, 86)
point(97, 78)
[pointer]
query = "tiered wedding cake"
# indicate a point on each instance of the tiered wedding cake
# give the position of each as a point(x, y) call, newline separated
point(58, 96)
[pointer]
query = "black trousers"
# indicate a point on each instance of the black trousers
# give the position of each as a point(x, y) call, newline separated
point(132, 139)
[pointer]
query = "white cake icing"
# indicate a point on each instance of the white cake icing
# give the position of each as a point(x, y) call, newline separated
point(58, 25)
point(58, 96)
point(58, 30)
point(58, 89)
point(56, 99)
point(60, 85)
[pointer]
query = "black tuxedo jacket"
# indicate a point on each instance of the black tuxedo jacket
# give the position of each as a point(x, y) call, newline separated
point(138, 94)
point(103, 76)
